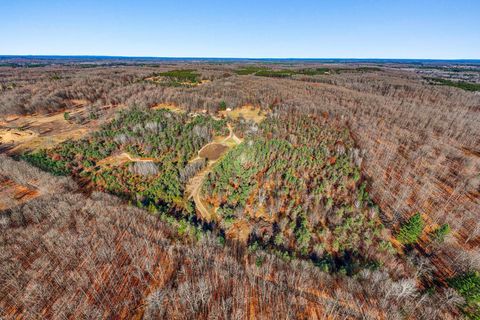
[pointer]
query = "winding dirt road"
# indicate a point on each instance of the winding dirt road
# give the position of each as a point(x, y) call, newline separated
point(194, 186)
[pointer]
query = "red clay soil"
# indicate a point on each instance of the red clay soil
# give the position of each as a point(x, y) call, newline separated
point(212, 151)
point(12, 194)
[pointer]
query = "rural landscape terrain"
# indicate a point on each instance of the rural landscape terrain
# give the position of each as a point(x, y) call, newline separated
point(142, 188)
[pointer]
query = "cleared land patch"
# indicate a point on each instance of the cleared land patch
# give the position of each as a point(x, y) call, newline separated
point(212, 151)
point(14, 135)
point(33, 132)
point(247, 112)
point(120, 159)
point(193, 187)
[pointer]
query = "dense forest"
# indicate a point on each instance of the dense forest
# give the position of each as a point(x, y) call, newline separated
point(217, 191)
point(297, 183)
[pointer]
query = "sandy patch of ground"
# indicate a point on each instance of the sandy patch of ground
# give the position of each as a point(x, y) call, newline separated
point(119, 159)
point(49, 141)
point(248, 112)
point(12, 135)
point(13, 194)
point(192, 189)
point(27, 133)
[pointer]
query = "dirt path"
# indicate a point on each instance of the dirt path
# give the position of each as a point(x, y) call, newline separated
point(194, 186)
point(121, 158)
point(126, 155)
point(224, 141)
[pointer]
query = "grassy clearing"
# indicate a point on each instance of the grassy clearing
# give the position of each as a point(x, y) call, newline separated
point(247, 112)
point(467, 86)
point(14, 135)
point(175, 78)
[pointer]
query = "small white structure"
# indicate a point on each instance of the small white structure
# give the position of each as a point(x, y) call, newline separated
point(228, 109)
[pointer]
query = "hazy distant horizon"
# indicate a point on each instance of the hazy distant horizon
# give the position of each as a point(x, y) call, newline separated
point(233, 59)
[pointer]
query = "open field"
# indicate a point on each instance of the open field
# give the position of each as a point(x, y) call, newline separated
point(247, 112)
point(33, 132)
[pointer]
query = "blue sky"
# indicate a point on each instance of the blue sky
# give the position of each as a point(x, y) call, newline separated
point(434, 29)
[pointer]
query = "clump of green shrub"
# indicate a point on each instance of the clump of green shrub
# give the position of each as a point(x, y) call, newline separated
point(41, 160)
point(468, 286)
point(411, 230)
point(441, 232)
point(222, 106)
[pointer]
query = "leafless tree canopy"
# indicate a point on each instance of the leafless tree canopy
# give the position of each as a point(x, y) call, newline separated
point(69, 253)
point(66, 255)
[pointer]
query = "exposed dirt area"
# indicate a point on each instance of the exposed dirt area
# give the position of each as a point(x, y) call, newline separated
point(248, 112)
point(27, 133)
point(13, 194)
point(212, 151)
point(193, 191)
point(13, 135)
point(49, 141)
point(118, 159)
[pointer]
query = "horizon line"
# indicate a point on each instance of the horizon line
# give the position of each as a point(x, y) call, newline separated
point(218, 58)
